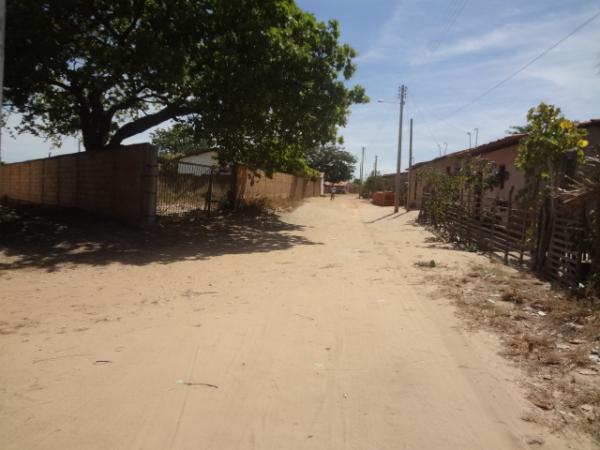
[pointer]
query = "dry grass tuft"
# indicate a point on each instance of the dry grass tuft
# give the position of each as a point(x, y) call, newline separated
point(548, 333)
point(512, 297)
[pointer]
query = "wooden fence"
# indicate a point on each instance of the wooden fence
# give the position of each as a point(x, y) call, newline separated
point(514, 233)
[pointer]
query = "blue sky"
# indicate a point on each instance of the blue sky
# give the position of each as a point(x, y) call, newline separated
point(447, 52)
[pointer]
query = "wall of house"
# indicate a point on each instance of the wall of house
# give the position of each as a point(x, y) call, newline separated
point(505, 156)
point(444, 165)
point(594, 133)
point(282, 186)
point(118, 183)
point(515, 178)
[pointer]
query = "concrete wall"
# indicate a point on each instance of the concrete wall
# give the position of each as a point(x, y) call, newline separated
point(281, 186)
point(118, 183)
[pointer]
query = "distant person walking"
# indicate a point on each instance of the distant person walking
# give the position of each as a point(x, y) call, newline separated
point(332, 193)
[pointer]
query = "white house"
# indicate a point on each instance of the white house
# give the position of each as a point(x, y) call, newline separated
point(206, 157)
point(189, 164)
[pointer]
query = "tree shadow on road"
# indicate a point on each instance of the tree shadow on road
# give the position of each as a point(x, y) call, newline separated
point(51, 241)
point(389, 216)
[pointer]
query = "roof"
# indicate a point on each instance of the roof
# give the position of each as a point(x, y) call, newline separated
point(200, 152)
point(590, 123)
point(507, 141)
point(390, 175)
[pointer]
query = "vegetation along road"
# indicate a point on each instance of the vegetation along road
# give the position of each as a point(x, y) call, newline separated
point(319, 332)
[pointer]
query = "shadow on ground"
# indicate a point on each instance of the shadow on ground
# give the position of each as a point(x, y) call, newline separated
point(31, 239)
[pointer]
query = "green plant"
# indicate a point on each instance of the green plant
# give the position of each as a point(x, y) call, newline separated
point(444, 192)
point(376, 183)
point(549, 136)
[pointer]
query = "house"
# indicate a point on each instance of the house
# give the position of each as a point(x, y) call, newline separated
point(192, 163)
point(342, 187)
point(390, 179)
point(502, 152)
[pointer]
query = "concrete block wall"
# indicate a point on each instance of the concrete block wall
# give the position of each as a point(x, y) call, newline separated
point(115, 183)
point(279, 186)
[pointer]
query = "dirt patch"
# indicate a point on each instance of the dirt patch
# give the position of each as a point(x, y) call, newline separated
point(553, 336)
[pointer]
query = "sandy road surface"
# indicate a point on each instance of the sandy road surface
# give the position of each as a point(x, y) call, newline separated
point(327, 339)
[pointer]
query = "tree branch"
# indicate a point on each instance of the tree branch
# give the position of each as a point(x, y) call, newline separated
point(143, 123)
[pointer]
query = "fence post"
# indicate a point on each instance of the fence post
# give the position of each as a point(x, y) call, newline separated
point(584, 231)
point(209, 192)
point(492, 242)
point(507, 227)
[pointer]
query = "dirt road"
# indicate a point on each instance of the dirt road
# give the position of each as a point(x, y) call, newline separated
point(320, 335)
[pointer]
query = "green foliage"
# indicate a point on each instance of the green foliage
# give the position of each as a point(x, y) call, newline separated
point(336, 163)
point(376, 183)
point(301, 168)
point(549, 137)
point(261, 80)
point(442, 192)
point(475, 176)
point(519, 129)
point(175, 143)
point(180, 139)
point(168, 162)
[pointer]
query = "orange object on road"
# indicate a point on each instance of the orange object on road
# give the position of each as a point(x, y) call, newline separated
point(383, 198)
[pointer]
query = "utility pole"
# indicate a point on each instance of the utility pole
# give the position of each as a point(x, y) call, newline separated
point(476, 136)
point(375, 167)
point(410, 158)
point(2, 33)
point(362, 162)
point(402, 96)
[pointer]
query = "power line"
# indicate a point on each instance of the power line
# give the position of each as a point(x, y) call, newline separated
point(447, 15)
point(529, 63)
point(425, 122)
point(453, 17)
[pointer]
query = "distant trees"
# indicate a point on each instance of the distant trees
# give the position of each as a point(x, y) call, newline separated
point(260, 80)
point(336, 163)
point(375, 183)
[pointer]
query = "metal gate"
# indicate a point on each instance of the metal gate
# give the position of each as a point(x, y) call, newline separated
point(189, 188)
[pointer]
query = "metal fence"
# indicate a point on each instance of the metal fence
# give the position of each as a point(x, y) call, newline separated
point(189, 188)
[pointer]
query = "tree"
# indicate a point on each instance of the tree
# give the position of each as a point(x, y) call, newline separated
point(174, 143)
point(549, 137)
point(178, 140)
point(375, 183)
point(261, 80)
point(541, 153)
point(336, 163)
